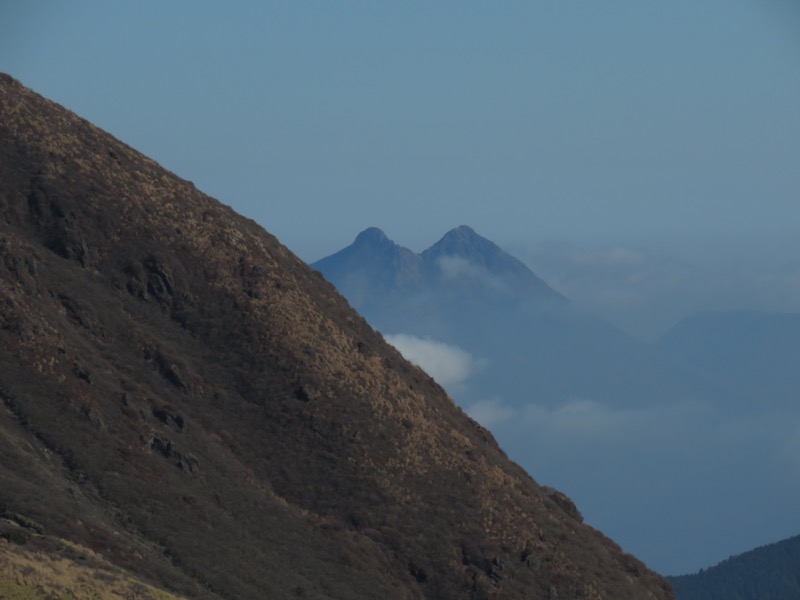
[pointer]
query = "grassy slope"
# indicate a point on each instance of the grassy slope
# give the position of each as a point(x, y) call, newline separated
point(49, 568)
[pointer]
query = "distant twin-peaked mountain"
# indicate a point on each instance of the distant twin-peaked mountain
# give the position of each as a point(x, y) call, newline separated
point(466, 291)
point(374, 267)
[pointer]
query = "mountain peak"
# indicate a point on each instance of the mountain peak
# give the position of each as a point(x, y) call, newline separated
point(372, 235)
point(374, 264)
point(372, 257)
point(462, 231)
point(465, 242)
point(375, 246)
point(467, 247)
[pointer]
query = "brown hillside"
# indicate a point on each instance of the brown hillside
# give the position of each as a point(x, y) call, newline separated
point(188, 400)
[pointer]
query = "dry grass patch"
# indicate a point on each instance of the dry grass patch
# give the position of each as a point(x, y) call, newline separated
point(67, 572)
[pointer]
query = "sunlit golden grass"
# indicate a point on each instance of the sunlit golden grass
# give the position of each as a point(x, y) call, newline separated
point(69, 572)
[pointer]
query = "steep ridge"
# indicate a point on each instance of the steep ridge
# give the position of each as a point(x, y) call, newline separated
point(186, 399)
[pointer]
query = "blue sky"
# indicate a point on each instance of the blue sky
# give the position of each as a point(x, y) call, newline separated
point(668, 128)
point(643, 157)
point(622, 122)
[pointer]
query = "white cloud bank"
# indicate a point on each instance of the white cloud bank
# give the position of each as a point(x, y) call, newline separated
point(491, 412)
point(448, 365)
point(574, 419)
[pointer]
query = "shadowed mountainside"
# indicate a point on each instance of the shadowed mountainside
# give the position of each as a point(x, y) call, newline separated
point(190, 402)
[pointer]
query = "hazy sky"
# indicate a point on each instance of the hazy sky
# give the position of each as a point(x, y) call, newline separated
point(642, 157)
point(666, 126)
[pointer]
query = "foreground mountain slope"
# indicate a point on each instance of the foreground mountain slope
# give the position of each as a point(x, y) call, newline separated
point(185, 398)
point(771, 572)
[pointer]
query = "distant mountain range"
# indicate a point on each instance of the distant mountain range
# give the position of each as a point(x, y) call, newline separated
point(770, 572)
point(374, 268)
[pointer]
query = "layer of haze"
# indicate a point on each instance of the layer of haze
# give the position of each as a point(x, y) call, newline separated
point(642, 157)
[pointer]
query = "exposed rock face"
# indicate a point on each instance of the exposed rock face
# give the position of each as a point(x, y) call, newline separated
point(186, 398)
